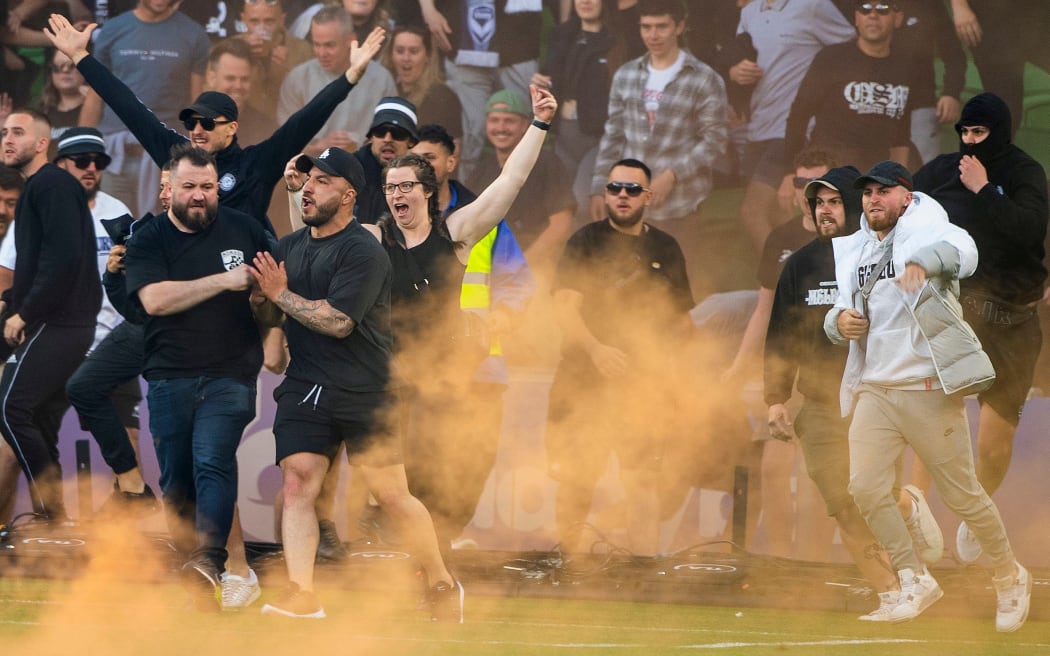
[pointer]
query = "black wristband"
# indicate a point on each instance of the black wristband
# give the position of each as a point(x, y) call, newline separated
point(541, 125)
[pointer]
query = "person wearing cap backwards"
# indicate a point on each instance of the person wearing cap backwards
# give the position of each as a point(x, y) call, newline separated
point(51, 308)
point(332, 281)
point(796, 347)
point(911, 359)
point(203, 353)
point(997, 193)
point(246, 175)
point(392, 133)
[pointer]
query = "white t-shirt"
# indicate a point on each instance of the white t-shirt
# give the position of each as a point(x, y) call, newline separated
point(655, 85)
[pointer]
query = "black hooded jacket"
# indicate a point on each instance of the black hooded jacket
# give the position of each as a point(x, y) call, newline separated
point(1008, 217)
point(795, 340)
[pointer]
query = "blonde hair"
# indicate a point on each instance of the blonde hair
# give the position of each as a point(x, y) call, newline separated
point(431, 72)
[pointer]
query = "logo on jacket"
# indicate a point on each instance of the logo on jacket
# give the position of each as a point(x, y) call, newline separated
point(227, 181)
point(232, 259)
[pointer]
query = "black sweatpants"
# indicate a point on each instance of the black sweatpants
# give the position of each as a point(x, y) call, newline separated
point(32, 386)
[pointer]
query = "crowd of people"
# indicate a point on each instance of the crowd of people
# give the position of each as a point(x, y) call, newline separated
point(392, 203)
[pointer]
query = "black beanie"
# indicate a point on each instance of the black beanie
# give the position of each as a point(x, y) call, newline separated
point(988, 110)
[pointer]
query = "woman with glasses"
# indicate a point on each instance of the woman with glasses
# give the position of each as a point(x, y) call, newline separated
point(415, 65)
point(63, 92)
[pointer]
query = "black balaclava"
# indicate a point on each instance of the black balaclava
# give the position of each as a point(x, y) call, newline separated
point(841, 179)
point(988, 110)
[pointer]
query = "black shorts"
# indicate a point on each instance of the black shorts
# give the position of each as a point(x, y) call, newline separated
point(126, 398)
point(315, 419)
point(1013, 350)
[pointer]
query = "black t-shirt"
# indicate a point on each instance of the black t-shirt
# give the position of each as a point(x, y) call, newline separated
point(426, 286)
point(351, 271)
point(861, 105)
point(547, 191)
point(218, 337)
point(782, 241)
point(634, 289)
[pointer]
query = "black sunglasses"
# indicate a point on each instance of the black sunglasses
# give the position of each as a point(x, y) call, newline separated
point(206, 123)
point(880, 8)
point(633, 189)
point(396, 133)
point(84, 161)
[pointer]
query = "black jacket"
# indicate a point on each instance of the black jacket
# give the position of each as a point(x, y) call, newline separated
point(246, 175)
point(581, 71)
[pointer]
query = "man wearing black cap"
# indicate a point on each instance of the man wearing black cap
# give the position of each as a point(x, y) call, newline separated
point(997, 193)
point(202, 354)
point(246, 175)
point(51, 307)
point(911, 359)
point(797, 347)
point(392, 133)
point(333, 285)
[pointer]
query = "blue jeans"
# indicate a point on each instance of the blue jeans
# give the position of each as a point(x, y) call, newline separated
point(197, 424)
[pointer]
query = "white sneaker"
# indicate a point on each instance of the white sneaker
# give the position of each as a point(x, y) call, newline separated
point(918, 592)
point(1015, 596)
point(887, 602)
point(239, 592)
point(922, 526)
point(967, 548)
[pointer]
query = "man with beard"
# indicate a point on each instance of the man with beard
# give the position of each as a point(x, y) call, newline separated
point(203, 354)
point(392, 133)
point(621, 296)
point(333, 285)
point(50, 308)
point(796, 347)
point(911, 359)
point(997, 193)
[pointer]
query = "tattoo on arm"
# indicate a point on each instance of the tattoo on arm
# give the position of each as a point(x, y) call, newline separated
point(318, 316)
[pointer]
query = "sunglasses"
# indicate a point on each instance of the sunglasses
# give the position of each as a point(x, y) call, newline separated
point(84, 161)
point(801, 182)
point(206, 123)
point(68, 67)
point(260, 2)
point(404, 187)
point(396, 133)
point(880, 8)
point(633, 189)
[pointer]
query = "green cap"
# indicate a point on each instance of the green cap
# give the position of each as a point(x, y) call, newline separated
point(508, 101)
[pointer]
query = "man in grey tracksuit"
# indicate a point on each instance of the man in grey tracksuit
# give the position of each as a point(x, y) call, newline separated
point(900, 393)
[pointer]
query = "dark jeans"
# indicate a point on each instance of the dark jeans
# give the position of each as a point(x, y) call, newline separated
point(197, 425)
point(116, 360)
point(32, 400)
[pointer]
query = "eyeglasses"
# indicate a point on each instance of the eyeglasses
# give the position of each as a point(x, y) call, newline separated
point(880, 8)
point(396, 133)
point(404, 187)
point(633, 189)
point(801, 182)
point(206, 123)
point(84, 161)
point(68, 67)
point(260, 2)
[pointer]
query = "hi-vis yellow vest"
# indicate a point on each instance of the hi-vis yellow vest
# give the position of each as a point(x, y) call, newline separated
point(475, 294)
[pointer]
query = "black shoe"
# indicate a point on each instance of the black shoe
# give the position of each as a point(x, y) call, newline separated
point(295, 603)
point(202, 579)
point(134, 505)
point(329, 546)
point(446, 602)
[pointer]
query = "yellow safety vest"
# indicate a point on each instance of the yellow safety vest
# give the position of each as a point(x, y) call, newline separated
point(475, 294)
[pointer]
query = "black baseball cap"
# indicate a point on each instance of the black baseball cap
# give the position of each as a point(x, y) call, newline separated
point(335, 161)
point(211, 104)
point(888, 173)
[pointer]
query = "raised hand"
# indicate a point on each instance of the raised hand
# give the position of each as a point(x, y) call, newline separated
point(544, 104)
point(361, 54)
point(70, 41)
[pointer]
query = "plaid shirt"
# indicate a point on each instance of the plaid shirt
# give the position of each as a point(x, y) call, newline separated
point(688, 134)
